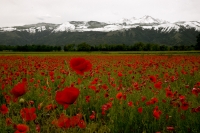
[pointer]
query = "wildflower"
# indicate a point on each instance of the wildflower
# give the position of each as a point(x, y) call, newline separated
point(62, 122)
point(50, 107)
point(152, 78)
point(140, 109)
point(19, 89)
point(80, 65)
point(143, 98)
point(8, 121)
point(28, 114)
point(158, 85)
point(169, 93)
point(120, 74)
point(87, 99)
point(195, 91)
point(21, 128)
point(67, 96)
point(157, 112)
point(153, 100)
point(82, 124)
point(184, 106)
point(130, 103)
point(92, 116)
point(119, 95)
point(74, 120)
point(3, 109)
point(106, 95)
point(182, 98)
point(170, 128)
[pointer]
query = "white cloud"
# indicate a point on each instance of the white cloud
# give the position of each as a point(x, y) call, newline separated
point(21, 12)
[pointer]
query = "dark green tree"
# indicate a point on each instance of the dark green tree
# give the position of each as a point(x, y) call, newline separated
point(198, 42)
point(69, 47)
point(83, 47)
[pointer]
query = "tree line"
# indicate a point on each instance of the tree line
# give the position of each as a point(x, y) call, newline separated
point(140, 46)
point(30, 48)
point(101, 47)
point(122, 47)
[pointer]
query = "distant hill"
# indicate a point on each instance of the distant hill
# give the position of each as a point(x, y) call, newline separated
point(125, 31)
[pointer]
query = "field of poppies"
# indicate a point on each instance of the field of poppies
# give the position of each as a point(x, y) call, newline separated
point(99, 93)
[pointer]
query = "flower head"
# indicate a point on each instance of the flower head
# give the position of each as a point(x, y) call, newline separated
point(3, 109)
point(80, 65)
point(28, 114)
point(19, 89)
point(67, 96)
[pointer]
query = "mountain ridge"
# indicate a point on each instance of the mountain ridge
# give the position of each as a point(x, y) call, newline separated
point(146, 22)
point(125, 31)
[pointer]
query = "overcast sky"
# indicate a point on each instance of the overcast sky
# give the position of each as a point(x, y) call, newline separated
point(20, 12)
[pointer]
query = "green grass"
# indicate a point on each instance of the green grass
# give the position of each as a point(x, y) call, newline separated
point(120, 118)
point(104, 52)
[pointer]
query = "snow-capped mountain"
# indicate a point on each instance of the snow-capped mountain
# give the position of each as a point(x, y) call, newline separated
point(146, 22)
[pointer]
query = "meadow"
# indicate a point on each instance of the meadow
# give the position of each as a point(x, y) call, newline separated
point(109, 92)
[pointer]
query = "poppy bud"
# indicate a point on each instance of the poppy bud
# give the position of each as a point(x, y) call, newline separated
point(21, 100)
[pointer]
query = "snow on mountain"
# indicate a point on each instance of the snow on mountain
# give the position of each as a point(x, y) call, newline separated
point(167, 27)
point(146, 22)
point(41, 28)
point(190, 24)
point(112, 28)
point(65, 27)
point(7, 29)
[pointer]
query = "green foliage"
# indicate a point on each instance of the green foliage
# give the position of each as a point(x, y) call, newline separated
point(83, 47)
point(140, 46)
point(198, 42)
point(184, 36)
point(31, 48)
point(69, 47)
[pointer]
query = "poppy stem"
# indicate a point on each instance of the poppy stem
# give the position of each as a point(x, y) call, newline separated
point(69, 72)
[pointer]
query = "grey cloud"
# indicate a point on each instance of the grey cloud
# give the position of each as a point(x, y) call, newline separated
point(60, 11)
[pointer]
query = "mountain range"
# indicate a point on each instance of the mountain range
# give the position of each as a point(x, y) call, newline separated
point(126, 31)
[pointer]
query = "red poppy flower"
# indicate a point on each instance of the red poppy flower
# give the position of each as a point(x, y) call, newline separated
point(119, 95)
point(82, 124)
point(195, 91)
point(152, 78)
point(130, 103)
point(153, 100)
point(87, 99)
point(74, 120)
point(182, 98)
point(158, 85)
point(184, 106)
point(3, 109)
point(22, 128)
point(50, 107)
point(62, 122)
point(106, 95)
point(169, 93)
point(38, 128)
point(157, 112)
point(67, 96)
point(28, 114)
point(120, 74)
point(140, 109)
point(8, 121)
point(170, 128)
point(80, 65)
point(19, 89)
point(143, 98)
point(7, 98)
point(92, 116)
